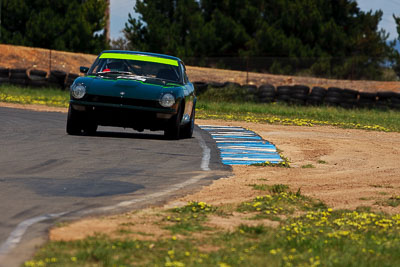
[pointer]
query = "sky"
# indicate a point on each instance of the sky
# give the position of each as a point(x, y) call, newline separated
point(120, 9)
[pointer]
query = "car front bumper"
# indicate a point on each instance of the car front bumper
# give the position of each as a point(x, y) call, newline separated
point(122, 115)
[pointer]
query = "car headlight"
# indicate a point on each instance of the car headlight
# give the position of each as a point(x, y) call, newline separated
point(167, 100)
point(78, 91)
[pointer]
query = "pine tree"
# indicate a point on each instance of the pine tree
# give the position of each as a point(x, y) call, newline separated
point(70, 25)
point(323, 37)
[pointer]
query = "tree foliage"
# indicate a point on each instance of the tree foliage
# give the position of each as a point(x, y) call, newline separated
point(331, 37)
point(69, 25)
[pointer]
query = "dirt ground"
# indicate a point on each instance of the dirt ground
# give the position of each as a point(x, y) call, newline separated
point(352, 168)
point(44, 59)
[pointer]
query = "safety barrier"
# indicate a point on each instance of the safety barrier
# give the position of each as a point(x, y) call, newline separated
point(266, 93)
point(37, 78)
point(304, 95)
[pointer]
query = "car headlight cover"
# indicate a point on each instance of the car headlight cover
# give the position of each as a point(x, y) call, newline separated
point(78, 91)
point(167, 100)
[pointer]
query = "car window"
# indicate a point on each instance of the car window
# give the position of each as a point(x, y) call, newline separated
point(136, 67)
point(183, 70)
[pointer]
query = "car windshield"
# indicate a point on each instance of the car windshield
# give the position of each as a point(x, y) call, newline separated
point(165, 69)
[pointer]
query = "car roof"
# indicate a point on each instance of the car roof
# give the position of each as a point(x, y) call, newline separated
point(140, 53)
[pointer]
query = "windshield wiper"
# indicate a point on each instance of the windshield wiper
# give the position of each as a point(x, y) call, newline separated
point(114, 72)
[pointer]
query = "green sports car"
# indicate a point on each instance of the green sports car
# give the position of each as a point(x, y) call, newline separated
point(133, 90)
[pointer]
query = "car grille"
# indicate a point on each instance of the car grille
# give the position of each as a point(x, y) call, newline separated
point(122, 101)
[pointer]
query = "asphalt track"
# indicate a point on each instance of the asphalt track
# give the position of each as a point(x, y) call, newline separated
point(48, 176)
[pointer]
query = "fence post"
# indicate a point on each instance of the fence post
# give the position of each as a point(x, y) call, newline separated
point(50, 61)
point(247, 70)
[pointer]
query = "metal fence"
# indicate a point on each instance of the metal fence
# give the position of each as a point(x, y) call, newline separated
point(355, 68)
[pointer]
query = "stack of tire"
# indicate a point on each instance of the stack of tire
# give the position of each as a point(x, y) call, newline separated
point(349, 98)
point(266, 93)
point(317, 96)
point(217, 85)
point(57, 78)
point(4, 75)
point(367, 100)
point(299, 94)
point(395, 103)
point(18, 76)
point(251, 92)
point(232, 84)
point(333, 96)
point(388, 100)
point(37, 78)
point(70, 80)
point(200, 87)
point(283, 94)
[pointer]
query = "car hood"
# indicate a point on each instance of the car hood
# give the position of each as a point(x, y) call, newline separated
point(126, 88)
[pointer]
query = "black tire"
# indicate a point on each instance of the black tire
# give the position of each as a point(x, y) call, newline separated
point(386, 95)
point(250, 88)
point(57, 76)
point(266, 94)
point(217, 85)
point(300, 89)
point(267, 89)
point(37, 75)
point(74, 122)
point(187, 131)
point(283, 90)
point(283, 98)
point(70, 80)
point(173, 129)
point(232, 84)
point(200, 87)
point(332, 101)
point(89, 128)
point(318, 91)
point(299, 96)
point(18, 74)
point(4, 73)
point(335, 90)
point(350, 94)
point(368, 96)
point(80, 123)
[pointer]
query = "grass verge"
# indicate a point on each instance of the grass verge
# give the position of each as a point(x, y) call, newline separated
point(308, 234)
point(274, 113)
point(53, 97)
point(279, 113)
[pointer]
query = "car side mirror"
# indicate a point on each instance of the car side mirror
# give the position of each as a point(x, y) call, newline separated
point(84, 69)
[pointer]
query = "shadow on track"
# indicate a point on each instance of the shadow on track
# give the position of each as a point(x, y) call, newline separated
point(142, 136)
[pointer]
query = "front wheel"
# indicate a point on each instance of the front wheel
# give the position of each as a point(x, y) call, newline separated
point(79, 123)
point(187, 131)
point(74, 125)
point(90, 128)
point(173, 129)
